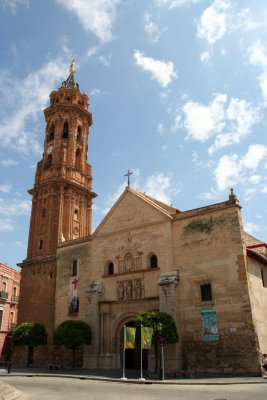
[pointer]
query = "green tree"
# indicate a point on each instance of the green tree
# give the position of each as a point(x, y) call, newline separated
point(169, 330)
point(30, 334)
point(72, 334)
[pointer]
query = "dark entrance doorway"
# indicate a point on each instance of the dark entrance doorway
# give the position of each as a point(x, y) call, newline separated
point(133, 356)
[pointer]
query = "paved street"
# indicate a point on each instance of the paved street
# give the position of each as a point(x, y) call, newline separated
point(57, 388)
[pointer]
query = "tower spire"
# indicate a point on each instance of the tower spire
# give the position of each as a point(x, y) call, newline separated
point(69, 83)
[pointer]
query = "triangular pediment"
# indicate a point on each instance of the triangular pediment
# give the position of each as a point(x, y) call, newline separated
point(134, 209)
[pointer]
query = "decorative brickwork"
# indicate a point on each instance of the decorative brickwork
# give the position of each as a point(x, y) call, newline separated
point(61, 200)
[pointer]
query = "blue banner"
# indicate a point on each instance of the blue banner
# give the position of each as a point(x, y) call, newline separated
point(209, 325)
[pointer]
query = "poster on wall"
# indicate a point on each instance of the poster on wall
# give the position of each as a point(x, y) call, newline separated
point(73, 297)
point(209, 325)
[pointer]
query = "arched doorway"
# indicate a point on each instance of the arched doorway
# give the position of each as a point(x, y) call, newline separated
point(133, 356)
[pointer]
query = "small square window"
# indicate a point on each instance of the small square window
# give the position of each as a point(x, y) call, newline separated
point(206, 294)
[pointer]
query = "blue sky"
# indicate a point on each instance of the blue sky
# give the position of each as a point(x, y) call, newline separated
point(178, 93)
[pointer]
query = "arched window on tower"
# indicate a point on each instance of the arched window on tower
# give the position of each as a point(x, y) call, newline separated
point(51, 133)
point(153, 261)
point(79, 134)
point(110, 270)
point(65, 132)
point(78, 159)
point(48, 162)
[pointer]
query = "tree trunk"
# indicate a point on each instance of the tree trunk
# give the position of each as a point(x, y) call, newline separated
point(73, 357)
point(30, 356)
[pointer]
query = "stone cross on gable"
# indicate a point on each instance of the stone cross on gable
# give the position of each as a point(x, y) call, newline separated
point(128, 175)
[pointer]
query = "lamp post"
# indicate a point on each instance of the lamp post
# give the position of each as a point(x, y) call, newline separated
point(161, 343)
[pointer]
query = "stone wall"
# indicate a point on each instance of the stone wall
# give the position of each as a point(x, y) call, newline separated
point(209, 250)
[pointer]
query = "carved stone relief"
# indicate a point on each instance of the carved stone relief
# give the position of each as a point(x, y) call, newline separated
point(168, 282)
point(130, 289)
point(129, 256)
point(94, 288)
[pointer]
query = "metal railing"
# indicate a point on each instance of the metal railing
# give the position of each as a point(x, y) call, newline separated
point(3, 295)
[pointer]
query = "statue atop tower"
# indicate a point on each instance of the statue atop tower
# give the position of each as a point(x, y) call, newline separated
point(69, 83)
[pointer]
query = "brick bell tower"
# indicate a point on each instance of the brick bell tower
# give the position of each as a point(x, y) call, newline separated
point(61, 200)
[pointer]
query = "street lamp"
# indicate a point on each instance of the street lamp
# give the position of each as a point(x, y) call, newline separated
point(161, 343)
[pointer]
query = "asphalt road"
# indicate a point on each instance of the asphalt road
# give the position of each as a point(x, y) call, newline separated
point(57, 388)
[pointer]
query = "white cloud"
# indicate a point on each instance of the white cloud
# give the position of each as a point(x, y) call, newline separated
point(232, 169)
point(19, 244)
point(159, 186)
point(6, 226)
point(92, 51)
point(177, 123)
point(8, 162)
point(12, 5)
point(228, 124)
point(251, 228)
point(162, 71)
point(175, 3)
point(160, 128)
point(246, 21)
point(96, 16)
point(213, 22)
point(256, 153)
point(151, 28)
point(112, 198)
point(14, 207)
point(249, 194)
point(105, 60)
point(211, 195)
point(202, 121)
point(257, 56)
point(5, 188)
point(205, 57)
point(240, 118)
point(264, 189)
point(23, 105)
point(255, 179)
point(227, 173)
point(164, 147)
point(220, 19)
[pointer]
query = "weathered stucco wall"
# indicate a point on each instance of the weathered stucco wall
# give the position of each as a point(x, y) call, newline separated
point(209, 250)
point(258, 296)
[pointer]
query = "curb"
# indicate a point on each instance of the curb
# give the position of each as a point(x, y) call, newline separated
point(236, 381)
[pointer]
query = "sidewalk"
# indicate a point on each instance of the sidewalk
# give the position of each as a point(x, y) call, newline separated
point(133, 376)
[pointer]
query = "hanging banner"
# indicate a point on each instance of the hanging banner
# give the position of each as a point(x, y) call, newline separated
point(129, 337)
point(146, 337)
point(209, 325)
point(73, 296)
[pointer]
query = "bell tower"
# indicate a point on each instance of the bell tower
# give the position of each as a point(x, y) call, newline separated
point(61, 199)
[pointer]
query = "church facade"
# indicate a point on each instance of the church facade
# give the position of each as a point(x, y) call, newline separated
point(198, 265)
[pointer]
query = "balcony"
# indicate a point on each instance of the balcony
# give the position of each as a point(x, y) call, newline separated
point(3, 295)
point(14, 299)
